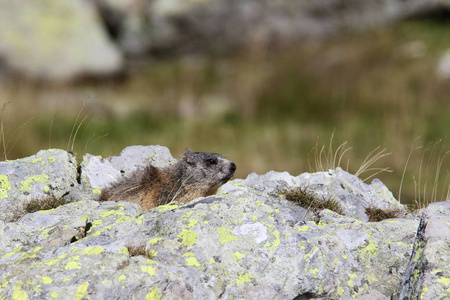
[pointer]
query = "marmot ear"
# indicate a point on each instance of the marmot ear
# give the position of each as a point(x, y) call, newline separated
point(187, 156)
point(188, 152)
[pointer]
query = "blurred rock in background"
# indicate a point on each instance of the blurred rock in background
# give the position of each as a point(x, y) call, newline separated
point(61, 41)
point(56, 41)
point(262, 82)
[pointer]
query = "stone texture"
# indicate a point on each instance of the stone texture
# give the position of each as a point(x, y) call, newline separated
point(97, 172)
point(49, 173)
point(247, 241)
point(427, 275)
point(238, 244)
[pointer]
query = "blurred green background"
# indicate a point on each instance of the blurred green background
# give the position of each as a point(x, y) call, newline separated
point(265, 110)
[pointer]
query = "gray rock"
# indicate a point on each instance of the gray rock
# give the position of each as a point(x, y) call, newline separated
point(427, 275)
point(353, 194)
point(49, 173)
point(55, 40)
point(245, 242)
point(97, 172)
point(231, 247)
point(443, 66)
point(223, 25)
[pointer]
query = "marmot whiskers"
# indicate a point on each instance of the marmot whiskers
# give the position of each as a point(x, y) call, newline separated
point(197, 174)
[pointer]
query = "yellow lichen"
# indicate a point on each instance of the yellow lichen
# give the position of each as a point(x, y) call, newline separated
point(93, 250)
point(444, 280)
point(5, 186)
point(238, 256)
point(167, 207)
point(226, 235)
point(303, 228)
point(71, 265)
point(188, 237)
point(13, 252)
point(27, 184)
point(82, 291)
point(243, 278)
point(153, 295)
point(192, 261)
point(46, 280)
point(149, 269)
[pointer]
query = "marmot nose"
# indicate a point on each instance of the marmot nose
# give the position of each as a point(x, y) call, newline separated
point(232, 167)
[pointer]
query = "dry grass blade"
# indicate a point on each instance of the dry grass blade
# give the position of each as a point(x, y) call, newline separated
point(333, 159)
point(404, 172)
point(330, 159)
point(426, 183)
point(2, 131)
point(74, 131)
point(341, 150)
point(94, 139)
point(50, 132)
point(370, 159)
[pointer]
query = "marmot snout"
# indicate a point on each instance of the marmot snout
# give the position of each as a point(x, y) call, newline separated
point(197, 174)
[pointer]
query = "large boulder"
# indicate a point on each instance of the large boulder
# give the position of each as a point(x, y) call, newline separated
point(145, 26)
point(248, 241)
point(47, 174)
point(54, 40)
point(242, 243)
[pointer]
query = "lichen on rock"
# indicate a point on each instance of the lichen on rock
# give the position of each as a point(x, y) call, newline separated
point(244, 242)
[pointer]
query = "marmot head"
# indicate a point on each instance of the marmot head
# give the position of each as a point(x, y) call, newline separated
point(207, 169)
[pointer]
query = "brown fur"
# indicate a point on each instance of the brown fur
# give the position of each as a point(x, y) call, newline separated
point(197, 174)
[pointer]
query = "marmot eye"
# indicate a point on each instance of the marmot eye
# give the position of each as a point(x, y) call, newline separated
point(211, 161)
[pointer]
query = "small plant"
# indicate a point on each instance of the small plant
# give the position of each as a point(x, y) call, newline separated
point(43, 204)
point(35, 205)
point(377, 214)
point(430, 185)
point(308, 200)
point(331, 159)
point(141, 250)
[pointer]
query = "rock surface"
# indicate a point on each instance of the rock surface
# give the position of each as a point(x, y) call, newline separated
point(97, 172)
point(245, 242)
point(49, 173)
point(56, 41)
point(427, 275)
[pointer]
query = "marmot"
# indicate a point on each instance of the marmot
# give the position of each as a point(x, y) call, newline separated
point(197, 174)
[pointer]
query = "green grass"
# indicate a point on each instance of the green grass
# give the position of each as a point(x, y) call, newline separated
point(265, 111)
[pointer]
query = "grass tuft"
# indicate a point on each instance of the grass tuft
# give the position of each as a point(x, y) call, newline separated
point(43, 204)
point(332, 158)
point(35, 205)
point(141, 250)
point(310, 201)
point(377, 214)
